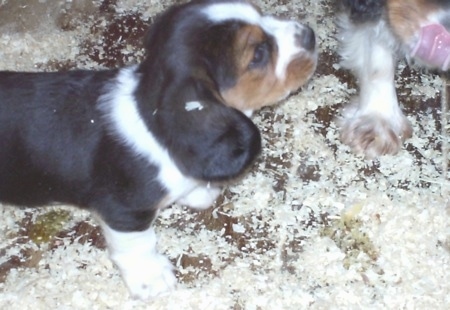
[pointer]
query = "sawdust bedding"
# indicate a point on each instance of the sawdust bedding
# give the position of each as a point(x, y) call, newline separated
point(311, 226)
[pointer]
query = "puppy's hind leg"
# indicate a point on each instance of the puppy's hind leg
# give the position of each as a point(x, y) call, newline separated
point(373, 124)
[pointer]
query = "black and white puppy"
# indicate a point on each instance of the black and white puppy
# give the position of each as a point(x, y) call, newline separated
point(373, 34)
point(125, 143)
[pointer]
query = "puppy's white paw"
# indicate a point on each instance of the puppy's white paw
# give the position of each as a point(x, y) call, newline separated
point(145, 272)
point(374, 135)
point(147, 277)
point(201, 197)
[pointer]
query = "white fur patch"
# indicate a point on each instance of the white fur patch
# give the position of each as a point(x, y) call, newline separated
point(201, 197)
point(145, 272)
point(369, 52)
point(220, 12)
point(123, 114)
point(248, 113)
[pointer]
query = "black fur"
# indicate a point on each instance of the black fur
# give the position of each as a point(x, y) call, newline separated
point(441, 3)
point(56, 144)
point(56, 149)
point(361, 11)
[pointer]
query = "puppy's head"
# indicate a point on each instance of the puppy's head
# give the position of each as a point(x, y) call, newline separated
point(207, 61)
point(423, 27)
point(249, 59)
point(267, 58)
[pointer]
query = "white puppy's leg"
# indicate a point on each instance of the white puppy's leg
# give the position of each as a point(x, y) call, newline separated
point(145, 272)
point(374, 124)
point(202, 197)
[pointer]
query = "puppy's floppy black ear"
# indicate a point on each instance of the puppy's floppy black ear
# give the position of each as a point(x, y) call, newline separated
point(218, 142)
point(364, 10)
point(208, 140)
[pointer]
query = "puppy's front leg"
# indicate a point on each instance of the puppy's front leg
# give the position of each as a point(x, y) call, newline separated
point(374, 124)
point(146, 272)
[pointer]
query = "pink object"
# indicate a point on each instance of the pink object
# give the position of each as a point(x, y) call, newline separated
point(433, 46)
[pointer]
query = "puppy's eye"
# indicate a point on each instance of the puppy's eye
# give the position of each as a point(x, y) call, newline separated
point(260, 56)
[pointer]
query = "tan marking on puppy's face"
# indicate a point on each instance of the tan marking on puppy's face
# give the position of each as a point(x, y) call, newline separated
point(407, 16)
point(257, 84)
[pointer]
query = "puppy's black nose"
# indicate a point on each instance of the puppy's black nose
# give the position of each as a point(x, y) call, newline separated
point(306, 38)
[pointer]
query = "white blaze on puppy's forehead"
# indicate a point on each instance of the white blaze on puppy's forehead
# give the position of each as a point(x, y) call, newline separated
point(239, 11)
point(283, 32)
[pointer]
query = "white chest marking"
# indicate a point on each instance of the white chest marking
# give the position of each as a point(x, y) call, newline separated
point(122, 112)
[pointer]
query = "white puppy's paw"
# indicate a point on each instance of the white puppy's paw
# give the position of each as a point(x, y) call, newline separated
point(147, 277)
point(145, 272)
